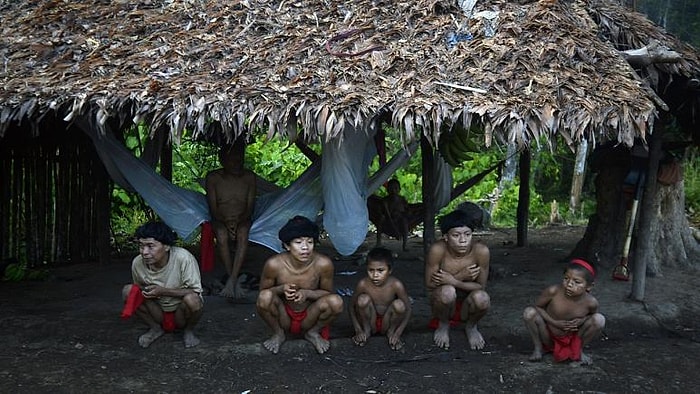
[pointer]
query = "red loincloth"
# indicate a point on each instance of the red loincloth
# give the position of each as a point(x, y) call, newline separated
point(454, 320)
point(298, 317)
point(378, 323)
point(134, 301)
point(566, 346)
point(206, 248)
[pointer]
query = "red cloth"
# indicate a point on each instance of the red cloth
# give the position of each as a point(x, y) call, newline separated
point(206, 248)
point(454, 320)
point(566, 347)
point(168, 322)
point(378, 323)
point(133, 302)
point(298, 317)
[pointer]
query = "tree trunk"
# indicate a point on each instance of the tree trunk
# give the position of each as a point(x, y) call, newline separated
point(579, 176)
point(427, 158)
point(523, 197)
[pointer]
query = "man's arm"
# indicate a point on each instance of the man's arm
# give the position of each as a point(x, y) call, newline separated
point(268, 279)
point(250, 198)
point(482, 256)
point(210, 187)
point(432, 263)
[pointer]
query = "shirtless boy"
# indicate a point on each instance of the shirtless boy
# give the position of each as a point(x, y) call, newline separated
point(456, 271)
point(231, 199)
point(380, 303)
point(166, 292)
point(565, 317)
point(296, 289)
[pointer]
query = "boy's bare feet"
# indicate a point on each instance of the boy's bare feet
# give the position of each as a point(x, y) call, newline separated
point(476, 341)
point(586, 359)
point(190, 339)
point(441, 337)
point(150, 336)
point(319, 343)
point(536, 355)
point(273, 344)
point(395, 342)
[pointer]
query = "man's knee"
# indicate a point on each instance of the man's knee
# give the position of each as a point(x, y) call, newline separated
point(193, 302)
point(265, 299)
point(445, 295)
point(480, 300)
point(334, 303)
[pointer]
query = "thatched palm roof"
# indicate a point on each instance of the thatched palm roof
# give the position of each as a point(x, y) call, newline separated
point(214, 66)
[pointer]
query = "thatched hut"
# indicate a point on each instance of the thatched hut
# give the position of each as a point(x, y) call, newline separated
point(301, 70)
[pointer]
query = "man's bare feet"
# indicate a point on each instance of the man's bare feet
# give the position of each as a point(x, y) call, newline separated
point(441, 337)
point(273, 344)
point(190, 339)
point(232, 290)
point(360, 339)
point(319, 343)
point(476, 341)
point(536, 355)
point(150, 336)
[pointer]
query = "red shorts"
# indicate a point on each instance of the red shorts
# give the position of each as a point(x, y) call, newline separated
point(454, 320)
point(297, 317)
point(378, 323)
point(566, 347)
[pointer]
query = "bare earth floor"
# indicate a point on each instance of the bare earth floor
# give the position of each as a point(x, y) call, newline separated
point(65, 336)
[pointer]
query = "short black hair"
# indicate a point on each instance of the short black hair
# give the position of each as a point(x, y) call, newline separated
point(158, 231)
point(297, 227)
point(456, 218)
point(381, 254)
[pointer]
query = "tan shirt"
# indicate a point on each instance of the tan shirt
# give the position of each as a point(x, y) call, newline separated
point(181, 272)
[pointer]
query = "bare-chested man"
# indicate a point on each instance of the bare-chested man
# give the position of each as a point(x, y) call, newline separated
point(296, 289)
point(455, 275)
point(565, 317)
point(231, 198)
point(166, 292)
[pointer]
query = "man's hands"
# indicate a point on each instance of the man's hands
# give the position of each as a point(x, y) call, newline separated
point(293, 294)
point(441, 277)
point(152, 291)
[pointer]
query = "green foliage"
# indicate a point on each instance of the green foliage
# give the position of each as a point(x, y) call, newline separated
point(17, 272)
point(276, 161)
point(691, 176)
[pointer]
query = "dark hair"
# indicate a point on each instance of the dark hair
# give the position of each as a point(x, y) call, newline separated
point(381, 254)
point(297, 227)
point(158, 231)
point(583, 266)
point(456, 218)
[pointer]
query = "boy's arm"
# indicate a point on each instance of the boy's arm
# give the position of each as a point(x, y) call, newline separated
point(402, 294)
point(543, 301)
point(359, 289)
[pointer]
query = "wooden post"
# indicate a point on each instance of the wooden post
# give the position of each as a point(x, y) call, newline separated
point(644, 246)
point(428, 186)
point(522, 215)
point(577, 180)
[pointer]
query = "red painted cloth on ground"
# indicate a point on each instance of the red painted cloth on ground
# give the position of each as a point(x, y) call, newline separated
point(566, 347)
point(133, 302)
point(206, 248)
point(298, 317)
point(454, 320)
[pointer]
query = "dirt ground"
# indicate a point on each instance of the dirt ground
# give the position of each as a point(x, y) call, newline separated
point(65, 336)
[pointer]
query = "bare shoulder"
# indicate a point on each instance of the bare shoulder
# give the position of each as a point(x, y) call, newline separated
point(322, 261)
point(552, 290)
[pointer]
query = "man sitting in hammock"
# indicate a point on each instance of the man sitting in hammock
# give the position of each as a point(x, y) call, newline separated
point(391, 214)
